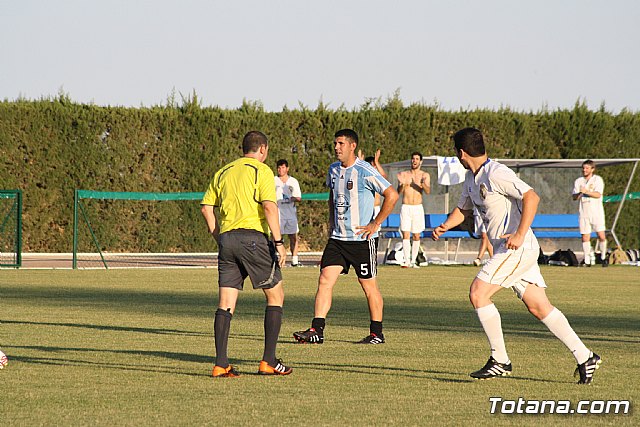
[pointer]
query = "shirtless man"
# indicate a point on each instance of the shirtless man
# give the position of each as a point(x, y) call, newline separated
point(412, 184)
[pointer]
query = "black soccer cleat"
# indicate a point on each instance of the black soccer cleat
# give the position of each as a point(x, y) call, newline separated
point(372, 339)
point(586, 370)
point(492, 369)
point(310, 336)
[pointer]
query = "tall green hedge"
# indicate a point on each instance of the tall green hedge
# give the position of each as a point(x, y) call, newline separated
point(49, 147)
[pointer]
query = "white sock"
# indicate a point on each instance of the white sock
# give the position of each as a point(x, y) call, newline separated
point(294, 259)
point(406, 251)
point(603, 249)
point(586, 248)
point(415, 247)
point(559, 326)
point(489, 317)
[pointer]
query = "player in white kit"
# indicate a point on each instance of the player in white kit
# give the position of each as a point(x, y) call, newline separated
point(588, 190)
point(507, 206)
point(288, 194)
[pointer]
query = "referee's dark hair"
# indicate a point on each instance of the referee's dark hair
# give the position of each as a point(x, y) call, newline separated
point(252, 141)
point(470, 140)
point(347, 133)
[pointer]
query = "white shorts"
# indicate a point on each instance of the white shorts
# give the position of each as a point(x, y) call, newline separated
point(592, 222)
point(478, 225)
point(288, 226)
point(412, 218)
point(513, 269)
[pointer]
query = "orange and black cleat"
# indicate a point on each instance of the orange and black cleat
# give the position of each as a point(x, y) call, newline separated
point(228, 372)
point(279, 369)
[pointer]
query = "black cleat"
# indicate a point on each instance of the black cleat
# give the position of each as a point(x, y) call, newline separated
point(492, 369)
point(310, 336)
point(372, 339)
point(605, 262)
point(587, 369)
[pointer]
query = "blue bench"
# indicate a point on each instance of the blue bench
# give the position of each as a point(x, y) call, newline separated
point(544, 226)
point(390, 229)
point(557, 226)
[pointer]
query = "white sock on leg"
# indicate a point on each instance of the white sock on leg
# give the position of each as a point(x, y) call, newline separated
point(603, 249)
point(560, 327)
point(586, 248)
point(406, 251)
point(415, 246)
point(489, 317)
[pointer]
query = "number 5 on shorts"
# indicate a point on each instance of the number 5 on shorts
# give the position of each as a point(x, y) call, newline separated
point(364, 269)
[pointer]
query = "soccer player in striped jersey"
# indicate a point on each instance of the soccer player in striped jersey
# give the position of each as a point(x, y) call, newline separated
point(353, 240)
point(507, 206)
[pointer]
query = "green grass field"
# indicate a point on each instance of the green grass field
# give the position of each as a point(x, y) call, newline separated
point(135, 347)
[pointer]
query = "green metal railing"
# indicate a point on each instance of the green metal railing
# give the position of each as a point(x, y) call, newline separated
point(11, 228)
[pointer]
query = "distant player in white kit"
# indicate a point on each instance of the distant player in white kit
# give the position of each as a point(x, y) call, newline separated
point(588, 190)
point(288, 194)
point(507, 206)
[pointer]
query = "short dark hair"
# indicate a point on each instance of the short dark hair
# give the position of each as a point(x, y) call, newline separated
point(590, 163)
point(470, 140)
point(252, 141)
point(416, 153)
point(371, 160)
point(347, 133)
point(282, 162)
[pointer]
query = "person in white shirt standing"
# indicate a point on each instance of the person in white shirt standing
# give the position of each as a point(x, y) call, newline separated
point(507, 206)
point(288, 194)
point(588, 190)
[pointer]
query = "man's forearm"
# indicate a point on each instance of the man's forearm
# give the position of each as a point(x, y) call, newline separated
point(529, 207)
point(273, 219)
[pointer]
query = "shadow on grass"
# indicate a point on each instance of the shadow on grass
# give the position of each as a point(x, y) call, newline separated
point(121, 364)
point(425, 314)
point(109, 328)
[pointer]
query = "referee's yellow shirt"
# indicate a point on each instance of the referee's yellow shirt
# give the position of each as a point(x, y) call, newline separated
point(238, 190)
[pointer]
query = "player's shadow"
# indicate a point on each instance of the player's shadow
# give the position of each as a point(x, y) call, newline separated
point(160, 331)
point(116, 359)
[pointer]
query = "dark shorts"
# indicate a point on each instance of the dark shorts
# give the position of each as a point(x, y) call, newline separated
point(362, 255)
point(245, 253)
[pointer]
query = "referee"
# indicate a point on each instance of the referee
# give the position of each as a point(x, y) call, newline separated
point(240, 208)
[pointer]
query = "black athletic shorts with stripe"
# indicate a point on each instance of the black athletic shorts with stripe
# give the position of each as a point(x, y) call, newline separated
point(361, 254)
point(243, 253)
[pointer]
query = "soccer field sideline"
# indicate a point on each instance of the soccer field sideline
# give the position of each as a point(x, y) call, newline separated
point(135, 347)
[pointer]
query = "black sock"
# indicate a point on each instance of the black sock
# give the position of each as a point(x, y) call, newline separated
point(221, 326)
point(318, 324)
point(272, 322)
point(376, 328)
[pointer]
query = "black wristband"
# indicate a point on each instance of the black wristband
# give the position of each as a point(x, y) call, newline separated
point(278, 242)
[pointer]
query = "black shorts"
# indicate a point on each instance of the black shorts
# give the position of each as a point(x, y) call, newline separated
point(245, 253)
point(362, 255)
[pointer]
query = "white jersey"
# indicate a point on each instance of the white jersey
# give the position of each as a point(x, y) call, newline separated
point(284, 192)
point(497, 192)
point(590, 206)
